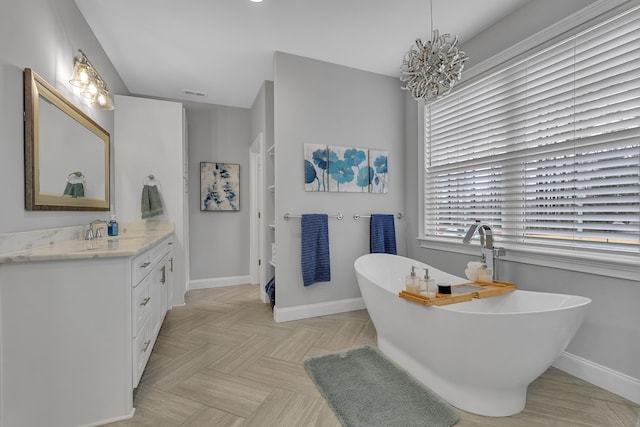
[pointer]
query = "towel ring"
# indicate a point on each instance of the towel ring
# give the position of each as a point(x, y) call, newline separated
point(150, 178)
point(75, 176)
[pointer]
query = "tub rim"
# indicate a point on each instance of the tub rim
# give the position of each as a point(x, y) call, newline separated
point(580, 300)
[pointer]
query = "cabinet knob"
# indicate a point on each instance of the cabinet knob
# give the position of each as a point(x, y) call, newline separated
point(145, 301)
point(146, 346)
point(145, 265)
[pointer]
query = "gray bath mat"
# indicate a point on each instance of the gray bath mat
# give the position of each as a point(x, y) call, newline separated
point(364, 389)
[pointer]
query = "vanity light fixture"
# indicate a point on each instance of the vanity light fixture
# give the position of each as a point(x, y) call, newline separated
point(430, 69)
point(92, 85)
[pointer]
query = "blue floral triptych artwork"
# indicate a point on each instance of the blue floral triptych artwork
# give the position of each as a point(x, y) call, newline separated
point(345, 169)
point(219, 186)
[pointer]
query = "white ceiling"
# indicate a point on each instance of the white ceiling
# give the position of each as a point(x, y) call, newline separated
point(225, 48)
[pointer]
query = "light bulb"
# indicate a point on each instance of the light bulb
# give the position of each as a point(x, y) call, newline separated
point(90, 90)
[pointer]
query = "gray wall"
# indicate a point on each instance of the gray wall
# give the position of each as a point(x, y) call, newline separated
point(524, 22)
point(610, 335)
point(218, 241)
point(43, 35)
point(322, 103)
point(262, 114)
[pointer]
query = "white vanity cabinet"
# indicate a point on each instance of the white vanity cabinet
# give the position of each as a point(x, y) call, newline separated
point(150, 281)
point(76, 333)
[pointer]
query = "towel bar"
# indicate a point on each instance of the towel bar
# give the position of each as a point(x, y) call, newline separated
point(338, 216)
point(357, 216)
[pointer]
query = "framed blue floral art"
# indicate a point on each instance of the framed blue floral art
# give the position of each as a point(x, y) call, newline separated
point(345, 169)
point(316, 167)
point(378, 168)
point(348, 169)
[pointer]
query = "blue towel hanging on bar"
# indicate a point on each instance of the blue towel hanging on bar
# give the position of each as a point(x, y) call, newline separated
point(314, 257)
point(383, 234)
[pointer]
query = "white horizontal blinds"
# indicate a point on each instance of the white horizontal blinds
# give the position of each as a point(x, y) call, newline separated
point(546, 150)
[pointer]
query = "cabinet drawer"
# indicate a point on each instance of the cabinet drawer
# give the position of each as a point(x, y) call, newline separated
point(146, 261)
point(142, 304)
point(142, 346)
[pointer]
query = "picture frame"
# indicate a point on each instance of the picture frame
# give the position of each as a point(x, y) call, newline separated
point(345, 169)
point(219, 186)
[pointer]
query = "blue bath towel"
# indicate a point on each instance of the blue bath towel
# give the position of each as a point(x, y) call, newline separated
point(383, 234)
point(314, 259)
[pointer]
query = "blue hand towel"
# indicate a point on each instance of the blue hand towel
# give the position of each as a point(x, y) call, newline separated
point(383, 234)
point(314, 259)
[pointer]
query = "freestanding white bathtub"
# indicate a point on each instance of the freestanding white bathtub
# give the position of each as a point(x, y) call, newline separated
point(479, 355)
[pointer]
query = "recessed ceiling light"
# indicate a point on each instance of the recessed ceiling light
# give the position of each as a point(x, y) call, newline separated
point(256, 1)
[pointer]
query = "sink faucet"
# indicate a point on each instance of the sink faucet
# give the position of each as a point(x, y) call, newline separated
point(489, 253)
point(97, 233)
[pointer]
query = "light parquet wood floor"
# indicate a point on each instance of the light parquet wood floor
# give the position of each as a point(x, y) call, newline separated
point(222, 361)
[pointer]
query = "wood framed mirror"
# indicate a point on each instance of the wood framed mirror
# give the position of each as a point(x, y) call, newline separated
point(66, 153)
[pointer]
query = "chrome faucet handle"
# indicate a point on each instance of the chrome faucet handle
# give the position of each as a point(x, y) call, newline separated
point(89, 234)
point(98, 232)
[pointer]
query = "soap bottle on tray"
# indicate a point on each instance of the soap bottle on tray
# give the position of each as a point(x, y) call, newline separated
point(412, 283)
point(428, 285)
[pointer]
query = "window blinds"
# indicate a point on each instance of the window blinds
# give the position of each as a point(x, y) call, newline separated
point(546, 150)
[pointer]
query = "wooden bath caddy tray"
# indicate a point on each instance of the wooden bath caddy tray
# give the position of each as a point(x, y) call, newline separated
point(462, 293)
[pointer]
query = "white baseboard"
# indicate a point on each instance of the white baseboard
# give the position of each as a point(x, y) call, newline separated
point(111, 420)
point(606, 378)
point(217, 282)
point(314, 310)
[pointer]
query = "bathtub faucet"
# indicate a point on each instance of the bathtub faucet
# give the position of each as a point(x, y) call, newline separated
point(489, 253)
point(485, 232)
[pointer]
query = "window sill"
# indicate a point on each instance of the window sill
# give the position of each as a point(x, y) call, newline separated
point(621, 266)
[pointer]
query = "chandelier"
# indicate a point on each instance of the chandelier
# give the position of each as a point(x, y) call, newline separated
point(91, 84)
point(430, 69)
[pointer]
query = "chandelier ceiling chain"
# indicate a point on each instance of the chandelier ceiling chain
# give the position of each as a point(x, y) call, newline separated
point(430, 69)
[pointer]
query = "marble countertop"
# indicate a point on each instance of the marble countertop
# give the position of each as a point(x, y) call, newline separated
point(133, 239)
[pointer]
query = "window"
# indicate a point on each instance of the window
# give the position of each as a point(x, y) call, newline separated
point(545, 150)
